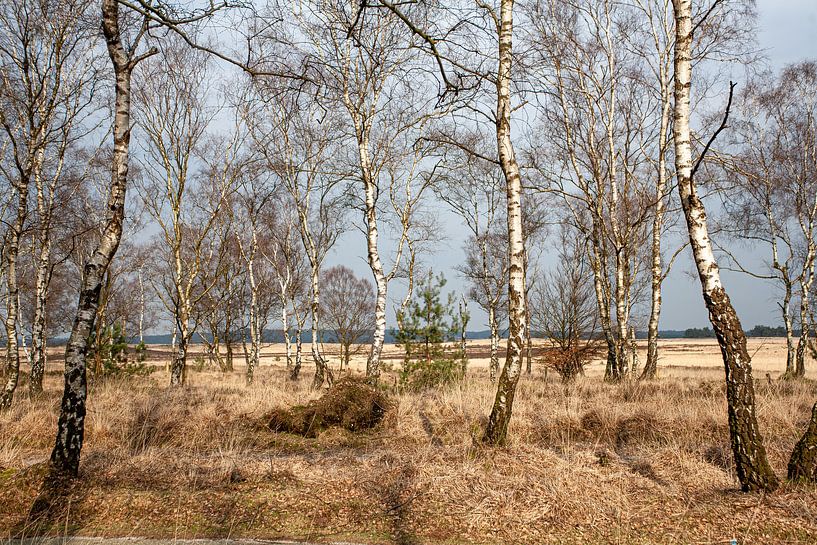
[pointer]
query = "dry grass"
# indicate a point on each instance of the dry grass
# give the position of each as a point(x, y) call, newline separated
point(589, 463)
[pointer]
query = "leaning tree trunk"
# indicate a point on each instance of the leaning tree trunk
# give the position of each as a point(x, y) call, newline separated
point(752, 466)
point(71, 425)
point(497, 429)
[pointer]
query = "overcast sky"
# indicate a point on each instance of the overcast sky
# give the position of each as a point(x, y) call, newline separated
point(788, 33)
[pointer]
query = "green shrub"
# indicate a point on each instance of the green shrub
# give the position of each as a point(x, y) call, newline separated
point(419, 375)
point(140, 351)
point(199, 363)
point(428, 328)
point(111, 355)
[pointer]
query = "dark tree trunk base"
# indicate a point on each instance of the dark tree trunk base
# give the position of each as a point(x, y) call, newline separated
point(754, 472)
point(803, 461)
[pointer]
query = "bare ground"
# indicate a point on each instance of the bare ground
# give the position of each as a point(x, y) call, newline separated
point(589, 463)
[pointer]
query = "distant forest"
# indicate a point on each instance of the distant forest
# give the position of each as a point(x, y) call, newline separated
point(707, 332)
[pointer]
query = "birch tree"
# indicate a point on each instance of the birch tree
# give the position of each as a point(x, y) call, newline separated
point(124, 58)
point(365, 64)
point(255, 194)
point(773, 196)
point(726, 35)
point(124, 36)
point(297, 146)
point(174, 115)
point(499, 419)
point(283, 252)
point(467, 65)
point(218, 314)
point(596, 119)
point(82, 220)
point(653, 41)
point(753, 469)
point(47, 65)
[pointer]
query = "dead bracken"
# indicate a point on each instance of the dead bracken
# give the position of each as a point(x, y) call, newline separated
point(351, 404)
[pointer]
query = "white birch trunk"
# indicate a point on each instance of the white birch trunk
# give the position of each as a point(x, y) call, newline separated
point(255, 335)
point(752, 466)
point(657, 270)
point(789, 327)
point(11, 250)
point(322, 370)
point(806, 281)
point(179, 365)
point(38, 341)
point(42, 280)
point(497, 429)
point(287, 340)
point(376, 265)
point(298, 354)
point(603, 305)
point(493, 368)
point(802, 342)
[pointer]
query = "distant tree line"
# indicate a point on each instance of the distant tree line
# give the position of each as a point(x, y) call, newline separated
point(757, 331)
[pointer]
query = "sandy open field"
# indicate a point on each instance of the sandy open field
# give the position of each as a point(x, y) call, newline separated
point(587, 463)
point(678, 357)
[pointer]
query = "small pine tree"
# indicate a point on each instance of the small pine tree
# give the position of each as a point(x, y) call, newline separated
point(112, 353)
point(428, 330)
point(141, 351)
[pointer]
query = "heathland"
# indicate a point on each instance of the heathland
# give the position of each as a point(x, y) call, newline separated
point(589, 462)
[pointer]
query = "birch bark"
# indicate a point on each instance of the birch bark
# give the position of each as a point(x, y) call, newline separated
point(496, 431)
point(751, 463)
point(657, 271)
point(71, 425)
point(11, 251)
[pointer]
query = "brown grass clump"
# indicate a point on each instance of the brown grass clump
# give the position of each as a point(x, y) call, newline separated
point(351, 404)
point(639, 428)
